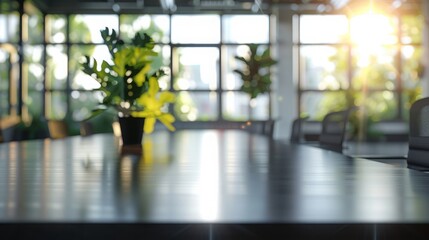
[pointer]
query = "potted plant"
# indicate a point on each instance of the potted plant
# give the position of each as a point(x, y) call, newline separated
point(129, 85)
point(255, 75)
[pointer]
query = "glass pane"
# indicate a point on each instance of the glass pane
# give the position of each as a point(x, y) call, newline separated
point(32, 24)
point(82, 104)
point(56, 28)
point(245, 28)
point(374, 70)
point(195, 29)
point(34, 103)
point(323, 67)
point(4, 100)
point(412, 67)
point(163, 62)
point(412, 29)
point(86, 28)
point(157, 26)
point(33, 60)
point(80, 80)
point(196, 106)
point(317, 104)
point(235, 106)
point(56, 105)
point(56, 67)
point(5, 66)
point(260, 107)
point(197, 68)
point(9, 27)
point(323, 28)
point(231, 80)
point(373, 30)
point(9, 75)
point(380, 105)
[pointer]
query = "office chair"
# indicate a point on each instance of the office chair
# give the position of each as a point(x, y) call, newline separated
point(1, 133)
point(296, 130)
point(268, 128)
point(260, 127)
point(86, 128)
point(418, 144)
point(334, 127)
point(57, 129)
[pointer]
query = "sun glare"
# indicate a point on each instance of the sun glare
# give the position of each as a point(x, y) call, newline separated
point(371, 29)
point(368, 32)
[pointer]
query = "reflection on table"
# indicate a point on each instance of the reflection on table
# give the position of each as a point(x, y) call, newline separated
point(377, 149)
point(201, 177)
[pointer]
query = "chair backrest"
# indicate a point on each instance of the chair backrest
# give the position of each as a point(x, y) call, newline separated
point(265, 127)
point(296, 130)
point(268, 128)
point(1, 133)
point(418, 145)
point(334, 127)
point(57, 129)
point(86, 128)
point(8, 128)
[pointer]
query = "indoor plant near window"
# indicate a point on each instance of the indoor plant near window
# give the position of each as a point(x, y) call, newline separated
point(129, 85)
point(255, 74)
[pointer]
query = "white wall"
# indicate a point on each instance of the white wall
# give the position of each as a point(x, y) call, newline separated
point(285, 87)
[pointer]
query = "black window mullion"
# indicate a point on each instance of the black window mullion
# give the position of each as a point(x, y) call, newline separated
point(270, 94)
point(219, 90)
point(298, 57)
point(68, 80)
point(171, 107)
point(9, 92)
point(21, 57)
point(44, 60)
point(399, 85)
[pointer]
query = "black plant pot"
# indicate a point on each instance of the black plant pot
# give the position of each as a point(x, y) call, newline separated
point(131, 132)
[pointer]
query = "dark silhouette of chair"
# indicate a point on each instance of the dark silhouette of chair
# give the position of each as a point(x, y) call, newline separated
point(334, 129)
point(1, 133)
point(57, 129)
point(265, 127)
point(418, 144)
point(268, 128)
point(86, 128)
point(296, 130)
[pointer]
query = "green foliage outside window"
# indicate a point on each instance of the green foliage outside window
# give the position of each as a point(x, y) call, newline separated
point(379, 86)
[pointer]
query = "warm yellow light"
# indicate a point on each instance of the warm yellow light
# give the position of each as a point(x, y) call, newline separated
point(368, 32)
point(370, 29)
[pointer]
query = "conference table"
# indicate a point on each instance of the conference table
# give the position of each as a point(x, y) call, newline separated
point(377, 150)
point(203, 184)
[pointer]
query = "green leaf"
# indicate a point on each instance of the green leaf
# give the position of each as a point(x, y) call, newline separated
point(242, 59)
point(145, 42)
point(255, 74)
point(127, 78)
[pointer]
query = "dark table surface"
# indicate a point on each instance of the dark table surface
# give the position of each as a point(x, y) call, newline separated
point(386, 150)
point(208, 176)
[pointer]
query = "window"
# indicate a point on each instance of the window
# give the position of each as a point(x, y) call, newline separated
point(196, 50)
point(371, 60)
point(33, 85)
point(9, 59)
point(197, 55)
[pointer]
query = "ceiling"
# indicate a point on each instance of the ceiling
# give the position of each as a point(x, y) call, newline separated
point(155, 6)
